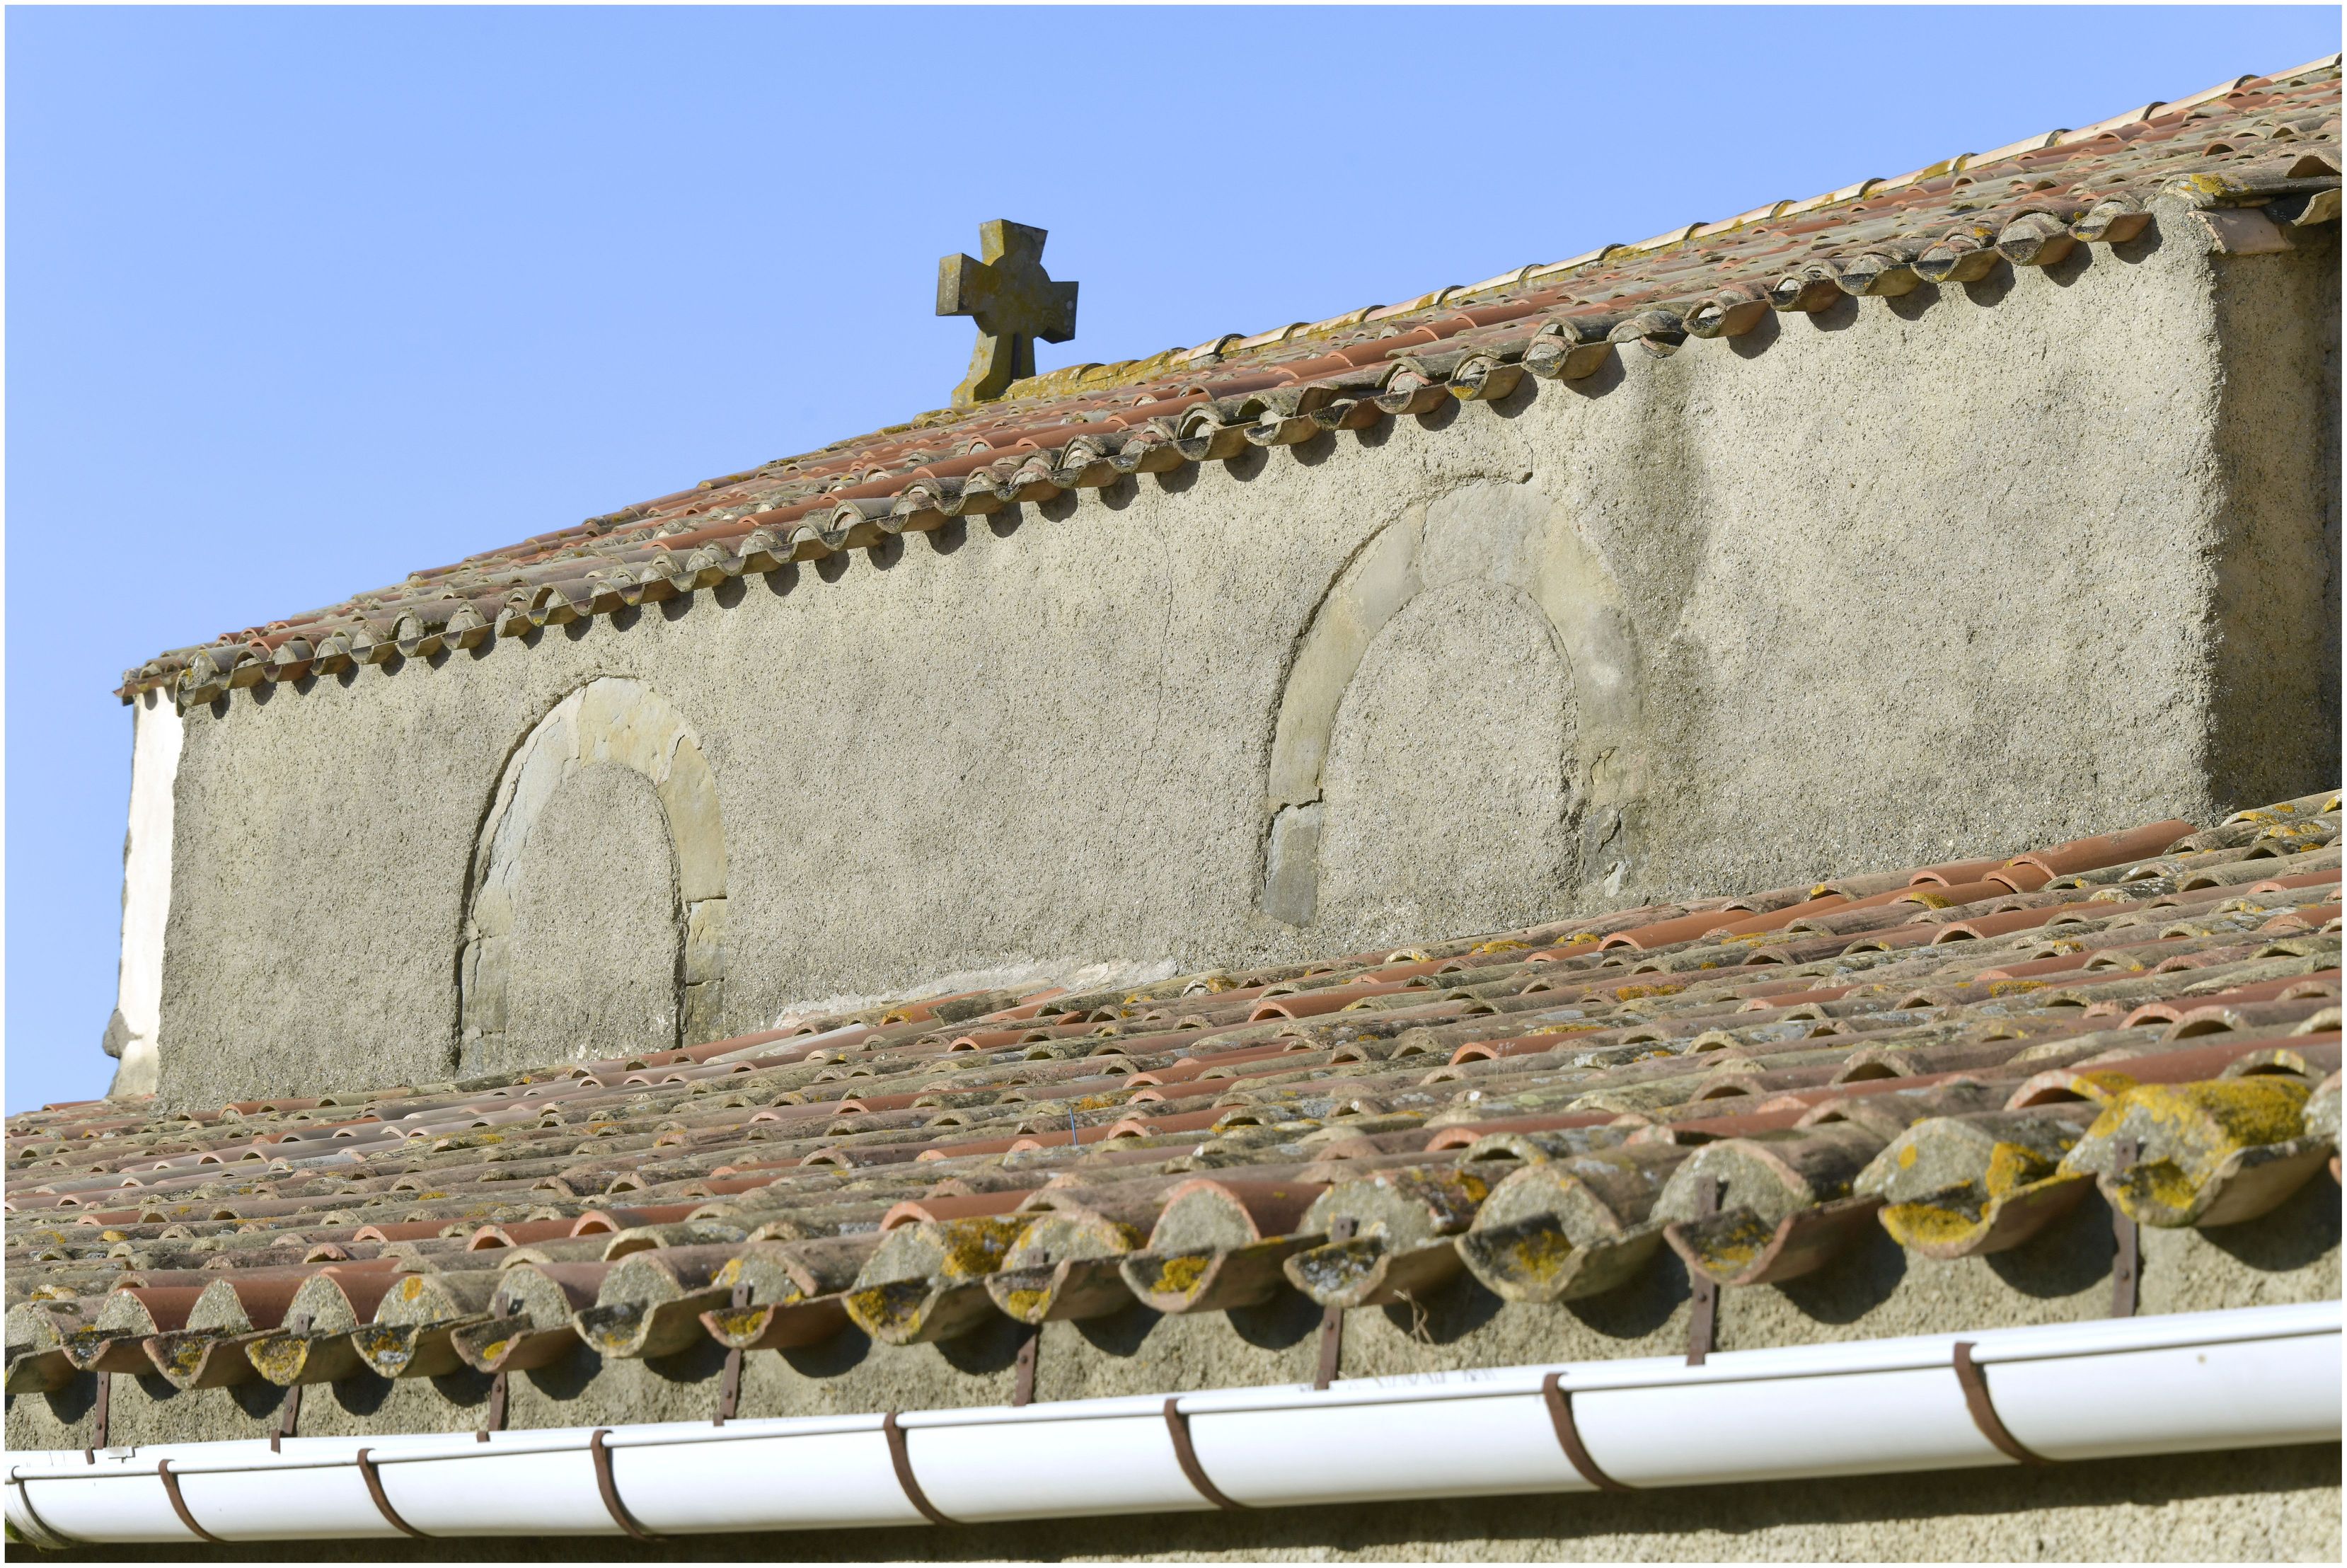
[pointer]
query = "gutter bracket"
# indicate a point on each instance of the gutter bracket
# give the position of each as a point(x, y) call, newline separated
point(1559, 1400)
point(289, 1413)
point(1332, 1319)
point(729, 1382)
point(1022, 1384)
point(289, 1420)
point(1984, 1411)
point(382, 1502)
point(1177, 1427)
point(493, 1419)
point(179, 1504)
point(901, 1457)
point(1703, 1303)
point(610, 1490)
point(101, 1417)
point(40, 1534)
point(729, 1387)
point(2127, 1258)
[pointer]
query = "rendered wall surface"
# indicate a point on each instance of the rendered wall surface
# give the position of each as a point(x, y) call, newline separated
point(1999, 563)
point(2277, 610)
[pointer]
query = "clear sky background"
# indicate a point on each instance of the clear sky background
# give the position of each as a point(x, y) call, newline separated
point(300, 300)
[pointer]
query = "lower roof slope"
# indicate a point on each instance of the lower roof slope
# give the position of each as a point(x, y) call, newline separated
point(1957, 1054)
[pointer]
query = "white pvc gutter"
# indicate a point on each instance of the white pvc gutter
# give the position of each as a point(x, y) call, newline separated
point(2255, 1376)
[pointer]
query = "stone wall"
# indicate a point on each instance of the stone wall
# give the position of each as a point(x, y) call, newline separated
point(1977, 566)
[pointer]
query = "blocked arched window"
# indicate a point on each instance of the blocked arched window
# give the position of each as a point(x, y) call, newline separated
point(596, 914)
point(1486, 585)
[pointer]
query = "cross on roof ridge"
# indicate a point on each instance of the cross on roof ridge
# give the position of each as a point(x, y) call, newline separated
point(1014, 302)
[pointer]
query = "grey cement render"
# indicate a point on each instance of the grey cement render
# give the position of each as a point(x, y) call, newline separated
point(1979, 567)
point(2281, 1503)
point(1464, 670)
point(2277, 609)
point(620, 987)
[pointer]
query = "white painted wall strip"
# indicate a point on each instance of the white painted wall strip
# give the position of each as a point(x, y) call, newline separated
point(155, 740)
point(2251, 1377)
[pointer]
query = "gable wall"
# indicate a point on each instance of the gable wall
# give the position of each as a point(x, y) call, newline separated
point(1968, 569)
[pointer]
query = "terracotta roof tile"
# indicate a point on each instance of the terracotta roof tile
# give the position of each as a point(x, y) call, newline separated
point(1752, 1098)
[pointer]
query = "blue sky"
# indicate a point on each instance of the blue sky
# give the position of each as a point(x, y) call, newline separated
point(299, 300)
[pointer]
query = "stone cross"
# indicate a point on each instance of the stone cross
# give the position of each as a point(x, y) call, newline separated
point(1015, 301)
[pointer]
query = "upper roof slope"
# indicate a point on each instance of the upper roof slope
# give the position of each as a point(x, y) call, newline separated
point(2256, 140)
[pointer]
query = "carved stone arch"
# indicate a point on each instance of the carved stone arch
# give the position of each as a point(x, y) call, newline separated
point(618, 721)
point(1510, 536)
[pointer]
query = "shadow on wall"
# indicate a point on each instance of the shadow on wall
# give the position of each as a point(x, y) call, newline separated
point(595, 919)
point(1466, 695)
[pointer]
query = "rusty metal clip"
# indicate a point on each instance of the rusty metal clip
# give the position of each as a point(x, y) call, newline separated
point(101, 1417)
point(729, 1382)
point(1703, 1304)
point(2127, 1258)
point(901, 1457)
point(1177, 1427)
point(611, 1488)
point(1559, 1401)
point(1983, 1412)
point(1332, 1318)
point(179, 1504)
point(1022, 1383)
point(289, 1420)
point(493, 1419)
point(381, 1500)
point(289, 1411)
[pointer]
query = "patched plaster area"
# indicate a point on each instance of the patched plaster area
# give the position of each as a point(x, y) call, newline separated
point(605, 985)
point(584, 838)
point(1448, 777)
